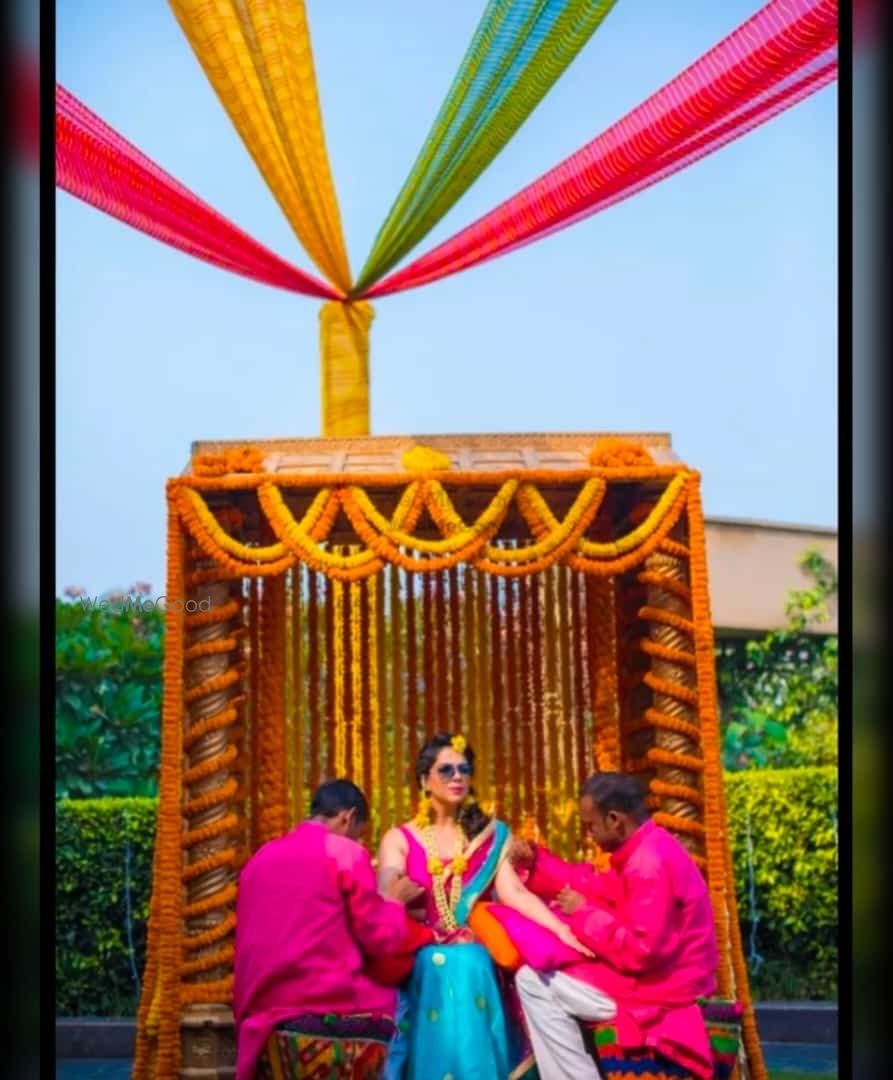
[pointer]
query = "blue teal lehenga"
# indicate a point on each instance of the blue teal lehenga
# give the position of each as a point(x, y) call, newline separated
point(456, 1021)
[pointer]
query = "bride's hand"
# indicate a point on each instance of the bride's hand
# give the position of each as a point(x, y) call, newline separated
point(572, 941)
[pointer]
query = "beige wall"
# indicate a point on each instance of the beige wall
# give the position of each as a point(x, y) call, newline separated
point(753, 565)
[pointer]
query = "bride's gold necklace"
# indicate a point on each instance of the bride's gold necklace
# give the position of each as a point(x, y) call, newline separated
point(446, 908)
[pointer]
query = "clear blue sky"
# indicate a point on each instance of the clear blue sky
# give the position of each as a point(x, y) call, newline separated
point(706, 306)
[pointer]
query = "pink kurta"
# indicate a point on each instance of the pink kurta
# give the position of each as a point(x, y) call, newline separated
point(308, 912)
point(650, 923)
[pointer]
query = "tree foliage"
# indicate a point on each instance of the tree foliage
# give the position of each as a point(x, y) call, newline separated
point(108, 697)
point(778, 694)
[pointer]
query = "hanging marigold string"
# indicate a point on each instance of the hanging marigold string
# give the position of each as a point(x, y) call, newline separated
point(455, 651)
point(513, 716)
point(526, 675)
point(572, 781)
point(351, 669)
point(582, 687)
point(313, 673)
point(540, 736)
point(354, 711)
point(441, 664)
point(298, 713)
point(273, 781)
point(396, 653)
point(501, 727)
point(485, 685)
point(254, 718)
point(382, 784)
point(497, 721)
point(412, 678)
point(338, 751)
point(470, 656)
point(428, 655)
point(554, 776)
point(604, 673)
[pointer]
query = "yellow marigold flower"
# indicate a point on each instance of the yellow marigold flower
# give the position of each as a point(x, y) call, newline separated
point(424, 459)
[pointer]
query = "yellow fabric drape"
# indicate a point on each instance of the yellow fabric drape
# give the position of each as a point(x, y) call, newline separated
point(258, 57)
point(344, 351)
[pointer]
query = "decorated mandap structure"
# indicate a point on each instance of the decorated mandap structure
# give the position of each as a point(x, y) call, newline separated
point(547, 594)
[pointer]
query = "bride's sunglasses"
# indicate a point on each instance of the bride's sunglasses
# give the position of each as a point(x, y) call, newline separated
point(446, 772)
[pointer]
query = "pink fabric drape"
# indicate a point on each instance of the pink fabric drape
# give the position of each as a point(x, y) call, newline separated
point(96, 164)
point(744, 80)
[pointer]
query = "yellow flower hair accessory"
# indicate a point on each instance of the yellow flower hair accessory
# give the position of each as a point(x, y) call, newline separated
point(458, 743)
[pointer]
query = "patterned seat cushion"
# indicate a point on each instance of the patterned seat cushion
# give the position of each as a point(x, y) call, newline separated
point(327, 1048)
point(723, 1021)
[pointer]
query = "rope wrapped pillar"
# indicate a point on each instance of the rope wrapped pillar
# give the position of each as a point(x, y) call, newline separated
point(676, 752)
point(213, 815)
point(344, 358)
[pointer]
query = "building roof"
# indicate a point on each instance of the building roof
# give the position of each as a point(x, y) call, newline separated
point(753, 565)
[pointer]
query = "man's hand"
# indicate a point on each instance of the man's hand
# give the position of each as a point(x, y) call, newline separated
point(569, 900)
point(521, 852)
point(403, 889)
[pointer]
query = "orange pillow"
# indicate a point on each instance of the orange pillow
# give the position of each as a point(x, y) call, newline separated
point(490, 933)
point(395, 969)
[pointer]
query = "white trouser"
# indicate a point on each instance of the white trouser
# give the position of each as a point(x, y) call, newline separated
point(553, 1004)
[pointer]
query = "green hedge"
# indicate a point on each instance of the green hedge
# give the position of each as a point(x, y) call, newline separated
point(103, 882)
point(791, 881)
point(104, 844)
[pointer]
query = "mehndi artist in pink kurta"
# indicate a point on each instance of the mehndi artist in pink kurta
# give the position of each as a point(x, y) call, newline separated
point(309, 920)
point(649, 922)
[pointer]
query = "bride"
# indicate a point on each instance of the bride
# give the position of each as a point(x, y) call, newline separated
point(455, 1021)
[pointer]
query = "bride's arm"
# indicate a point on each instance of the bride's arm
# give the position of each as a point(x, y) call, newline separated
point(392, 855)
point(511, 891)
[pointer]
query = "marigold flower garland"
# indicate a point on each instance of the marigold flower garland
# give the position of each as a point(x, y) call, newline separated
point(162, 975)
point(446, 908)
point(336, 614)
point(484, 618)
point(606, 719)
point(526, 679)
point(540, 737)
point(355, 720)
point(440, 651)
point(394, 650)
point(332, 691)
point(566, 720)
point(273, 782)
point(612, 452)
point(236, 459)
point(389, 541)
point(295, 711)
point(497, 722)
point(719, 868)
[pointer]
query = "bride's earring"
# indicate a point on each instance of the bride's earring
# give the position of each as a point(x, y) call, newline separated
point(423, 814)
